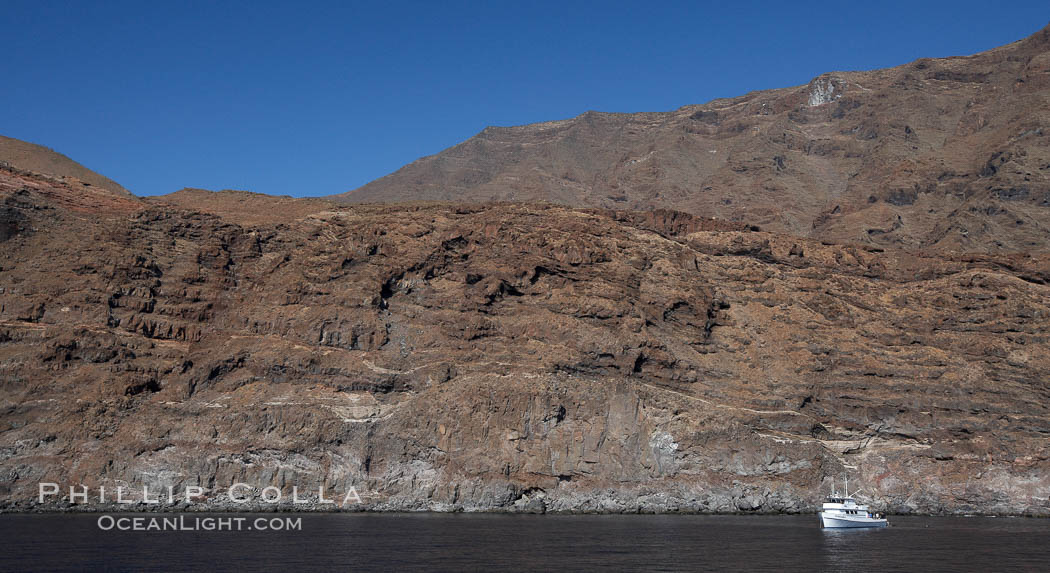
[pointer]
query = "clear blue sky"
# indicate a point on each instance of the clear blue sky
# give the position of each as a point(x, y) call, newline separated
point(289, 98)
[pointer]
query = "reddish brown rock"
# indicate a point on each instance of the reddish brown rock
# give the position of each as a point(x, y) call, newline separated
point(949, 154)
point(508, 356)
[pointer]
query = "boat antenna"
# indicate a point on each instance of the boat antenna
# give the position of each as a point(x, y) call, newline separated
point(845, 480)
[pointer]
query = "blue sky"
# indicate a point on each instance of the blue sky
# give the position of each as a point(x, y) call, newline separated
point(297, 99)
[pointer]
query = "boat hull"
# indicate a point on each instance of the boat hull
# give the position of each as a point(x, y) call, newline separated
point(841, 522)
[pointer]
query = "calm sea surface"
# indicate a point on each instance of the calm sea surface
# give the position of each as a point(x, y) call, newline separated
point(436, 542)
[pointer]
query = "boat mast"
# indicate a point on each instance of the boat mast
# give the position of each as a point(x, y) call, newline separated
point(845, 480)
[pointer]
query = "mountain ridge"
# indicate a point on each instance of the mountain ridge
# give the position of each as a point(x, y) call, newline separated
point(530, 357)
point(887, 157)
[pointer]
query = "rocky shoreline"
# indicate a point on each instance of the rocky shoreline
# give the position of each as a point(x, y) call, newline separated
point(1035, 513)
point(510, 357)
point(504, 497)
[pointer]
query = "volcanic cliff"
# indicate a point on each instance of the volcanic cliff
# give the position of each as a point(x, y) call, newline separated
point(531, 356)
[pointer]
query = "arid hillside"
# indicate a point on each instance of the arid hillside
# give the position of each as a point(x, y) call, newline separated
point(41, 160)
point(946, 154)
point(716, 309)
point(508, 356)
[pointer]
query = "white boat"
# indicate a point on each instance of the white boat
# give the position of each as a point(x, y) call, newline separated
point(844, 511)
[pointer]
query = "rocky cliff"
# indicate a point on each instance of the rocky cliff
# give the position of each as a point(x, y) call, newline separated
point(946, 154)
point(509, 356)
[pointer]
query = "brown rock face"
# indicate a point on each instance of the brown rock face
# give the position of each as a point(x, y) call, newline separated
point(508, 356)
point(947, 154)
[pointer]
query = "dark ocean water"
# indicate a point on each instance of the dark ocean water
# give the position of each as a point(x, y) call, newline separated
point(463, 542)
